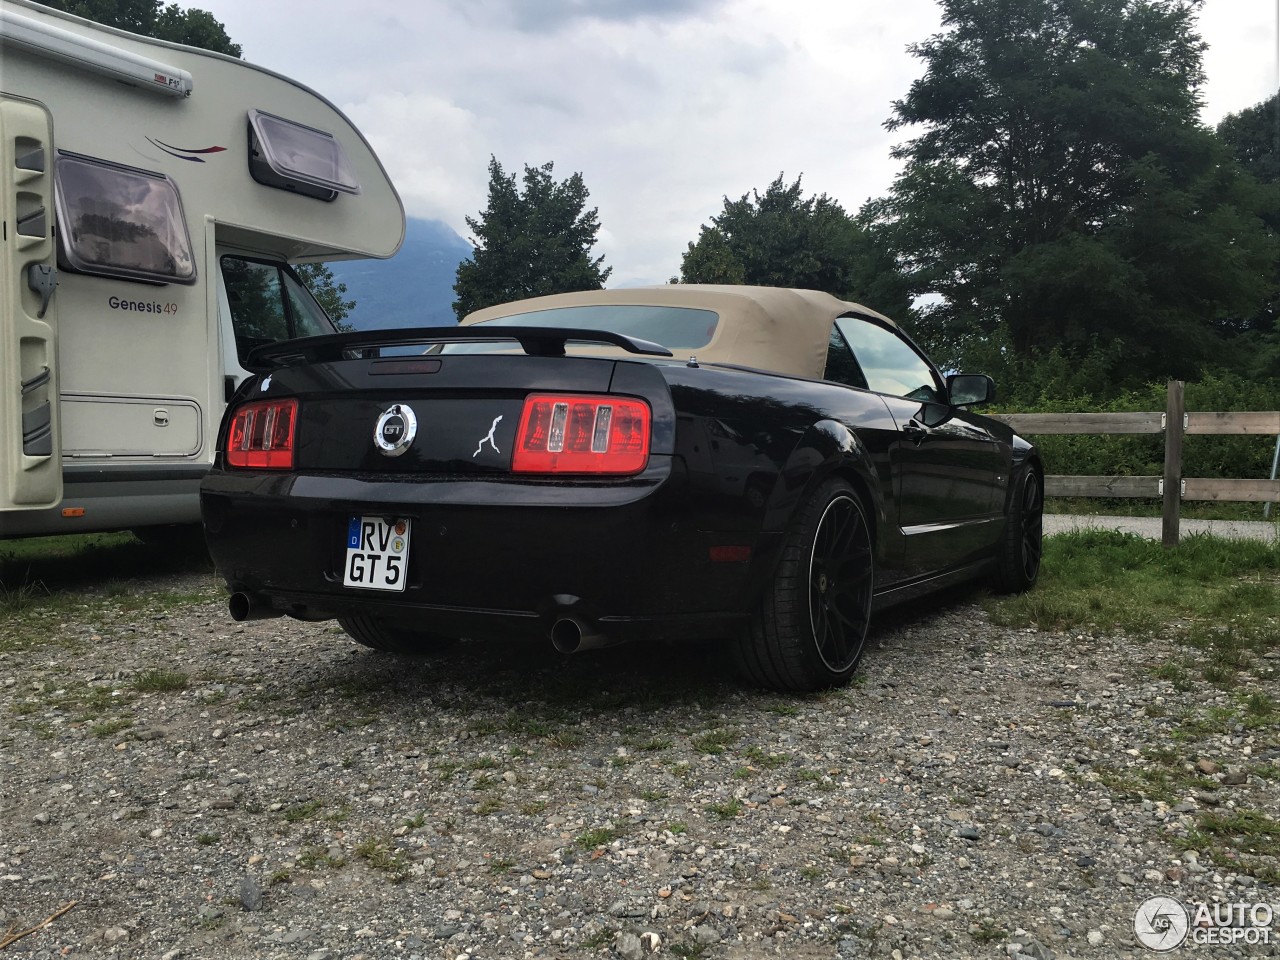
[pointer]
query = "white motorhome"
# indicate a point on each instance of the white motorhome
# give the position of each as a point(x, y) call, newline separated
point(153, 196)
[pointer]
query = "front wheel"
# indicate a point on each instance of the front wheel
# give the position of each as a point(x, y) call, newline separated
point(377, 635)
point(811, 626)
point(1018, 559)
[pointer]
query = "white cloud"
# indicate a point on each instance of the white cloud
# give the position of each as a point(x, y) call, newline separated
point(433, 151)
point(664, 106)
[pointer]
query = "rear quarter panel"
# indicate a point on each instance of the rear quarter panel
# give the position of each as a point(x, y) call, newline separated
point(755, 445)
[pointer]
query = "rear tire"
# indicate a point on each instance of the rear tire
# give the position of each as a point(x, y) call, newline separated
point(1021, 546)
point(811, 627)
point(376, 635)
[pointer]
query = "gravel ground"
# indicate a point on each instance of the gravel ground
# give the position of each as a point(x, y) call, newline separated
point(206, 789)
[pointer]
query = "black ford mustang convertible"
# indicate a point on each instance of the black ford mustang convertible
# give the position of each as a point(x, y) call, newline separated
point(763, 465)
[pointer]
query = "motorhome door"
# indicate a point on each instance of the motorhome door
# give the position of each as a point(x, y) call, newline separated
point(30, 457)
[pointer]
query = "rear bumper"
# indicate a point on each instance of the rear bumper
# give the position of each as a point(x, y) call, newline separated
point(489, 557)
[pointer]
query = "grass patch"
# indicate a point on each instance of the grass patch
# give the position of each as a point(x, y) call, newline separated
point(1247, 841)
point(599, 837)
point(714, 741)
point(340, 815)
point(67, 563)
point(1102, 578)
point(1224, 594)
point(565, 739)
point(687, 950)
point(160, 681)
point(725, 811)
point(21, 596)
point(379, 854)
point(302, 811)
point(765, 761)
point(111, 727)
point(1245, 830)
point(987, 930)
point(318, 858)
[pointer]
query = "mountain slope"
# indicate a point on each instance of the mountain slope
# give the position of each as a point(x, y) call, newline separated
point(412, 289)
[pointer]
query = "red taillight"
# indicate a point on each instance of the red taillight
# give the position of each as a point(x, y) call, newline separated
point(261, 435)
point(572, 433)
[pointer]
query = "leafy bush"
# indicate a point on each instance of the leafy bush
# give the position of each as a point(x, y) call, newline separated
point(1208, 456)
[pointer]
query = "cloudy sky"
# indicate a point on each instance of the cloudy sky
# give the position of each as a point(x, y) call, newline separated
point(664, 106)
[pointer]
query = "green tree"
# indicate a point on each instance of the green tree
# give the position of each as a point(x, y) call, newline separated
point(1253, 137)
point(196, 28)
point(331, 294)
point(1062, 192)
point(782, 239)
point(530, 241)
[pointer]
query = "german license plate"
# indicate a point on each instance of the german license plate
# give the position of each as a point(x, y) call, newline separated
point(377, 553)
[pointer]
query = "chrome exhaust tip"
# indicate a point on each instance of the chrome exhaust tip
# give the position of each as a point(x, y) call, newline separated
point(245, 606)
point(571, 635)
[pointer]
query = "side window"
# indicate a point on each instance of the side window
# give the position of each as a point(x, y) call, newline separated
point(842, 367)
point(308, 317)
point(292, 156)
point(891, 364)
point(269, 303)
point(118, 221)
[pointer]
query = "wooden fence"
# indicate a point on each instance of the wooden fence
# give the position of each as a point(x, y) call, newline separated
point(1172, 487)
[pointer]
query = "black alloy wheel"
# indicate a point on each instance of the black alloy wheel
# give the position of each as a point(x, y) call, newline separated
point(1018, 562)
point(811, 626)
point(840, 584)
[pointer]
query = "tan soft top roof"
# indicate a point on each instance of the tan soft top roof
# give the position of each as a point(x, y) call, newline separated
point(767, 327)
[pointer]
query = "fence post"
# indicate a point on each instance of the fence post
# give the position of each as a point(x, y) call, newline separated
point(1174, 411)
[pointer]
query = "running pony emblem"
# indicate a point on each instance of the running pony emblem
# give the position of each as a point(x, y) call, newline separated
point(489, 438)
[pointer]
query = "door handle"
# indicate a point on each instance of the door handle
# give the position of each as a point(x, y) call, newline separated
point(42, 279)
point(916, 431)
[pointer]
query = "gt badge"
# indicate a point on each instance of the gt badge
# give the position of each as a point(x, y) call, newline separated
point(395, 430)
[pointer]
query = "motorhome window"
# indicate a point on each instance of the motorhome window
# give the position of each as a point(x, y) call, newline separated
point(298, 158)
point(268, 304)
point(118, 221)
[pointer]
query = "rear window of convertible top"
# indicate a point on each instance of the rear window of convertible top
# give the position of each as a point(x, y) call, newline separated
point(676, 328)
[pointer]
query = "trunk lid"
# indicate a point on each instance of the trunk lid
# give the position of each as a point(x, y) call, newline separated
point(463, 410)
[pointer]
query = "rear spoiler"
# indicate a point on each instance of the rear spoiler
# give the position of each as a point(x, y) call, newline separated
point(535, 341)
